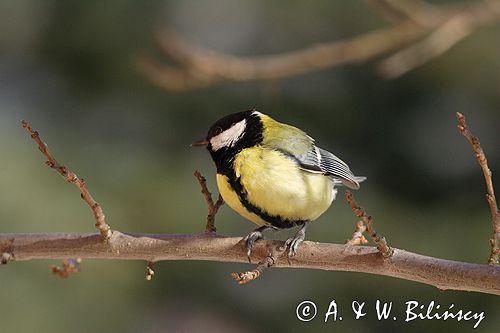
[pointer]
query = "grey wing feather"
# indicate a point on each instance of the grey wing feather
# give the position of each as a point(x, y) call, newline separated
point(321, 161)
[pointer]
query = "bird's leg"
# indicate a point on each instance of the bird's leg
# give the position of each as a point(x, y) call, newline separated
point(293, 242)
point(253, 237)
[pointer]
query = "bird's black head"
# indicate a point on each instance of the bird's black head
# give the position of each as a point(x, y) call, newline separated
point(229, 135)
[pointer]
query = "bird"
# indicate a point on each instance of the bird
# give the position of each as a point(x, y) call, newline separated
point(273, 174)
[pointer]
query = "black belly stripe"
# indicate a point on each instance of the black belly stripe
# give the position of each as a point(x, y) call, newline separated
point(275, 221)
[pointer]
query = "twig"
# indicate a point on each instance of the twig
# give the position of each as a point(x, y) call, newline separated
point(149, 271)
point(245, 277)
point(71, 177)
point(69, 266)
point(490, 196)
point(381, 242)
point(358, 237)
point(212, 208)
point(444, 274)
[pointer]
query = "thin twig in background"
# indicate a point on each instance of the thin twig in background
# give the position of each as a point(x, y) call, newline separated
point(490, 196)
point(358, 237)
point(422, 32)
point(69, 266)
point(379, 241)
point(71, 177)
point(212, 208)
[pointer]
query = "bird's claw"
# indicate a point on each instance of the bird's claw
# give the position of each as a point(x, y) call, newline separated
point(250, 241)
point(293, 244)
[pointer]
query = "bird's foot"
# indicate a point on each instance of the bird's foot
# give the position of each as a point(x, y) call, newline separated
point(251, 239)
point(294, 242)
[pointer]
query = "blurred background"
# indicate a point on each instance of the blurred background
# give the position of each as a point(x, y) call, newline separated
point(71, 69)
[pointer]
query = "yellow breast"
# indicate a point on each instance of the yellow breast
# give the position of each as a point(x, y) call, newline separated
point(275, 185)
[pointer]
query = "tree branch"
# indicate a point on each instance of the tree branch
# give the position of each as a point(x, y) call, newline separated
point(443, 274)
point(429, 30)
point(199, 67)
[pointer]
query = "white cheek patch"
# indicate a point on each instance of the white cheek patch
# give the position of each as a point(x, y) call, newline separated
point(229, 137)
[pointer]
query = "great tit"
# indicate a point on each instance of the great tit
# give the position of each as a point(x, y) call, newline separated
point(273, 174)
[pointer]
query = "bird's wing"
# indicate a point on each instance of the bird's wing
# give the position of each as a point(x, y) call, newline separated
point(321, 161)
point(296, 144)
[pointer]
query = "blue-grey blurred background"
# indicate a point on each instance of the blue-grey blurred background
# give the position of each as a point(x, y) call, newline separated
point(70, 68)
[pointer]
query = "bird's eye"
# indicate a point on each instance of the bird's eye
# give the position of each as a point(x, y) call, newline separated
point(218, 130)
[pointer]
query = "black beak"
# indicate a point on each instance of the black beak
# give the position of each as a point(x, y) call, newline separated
point(202, 142)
